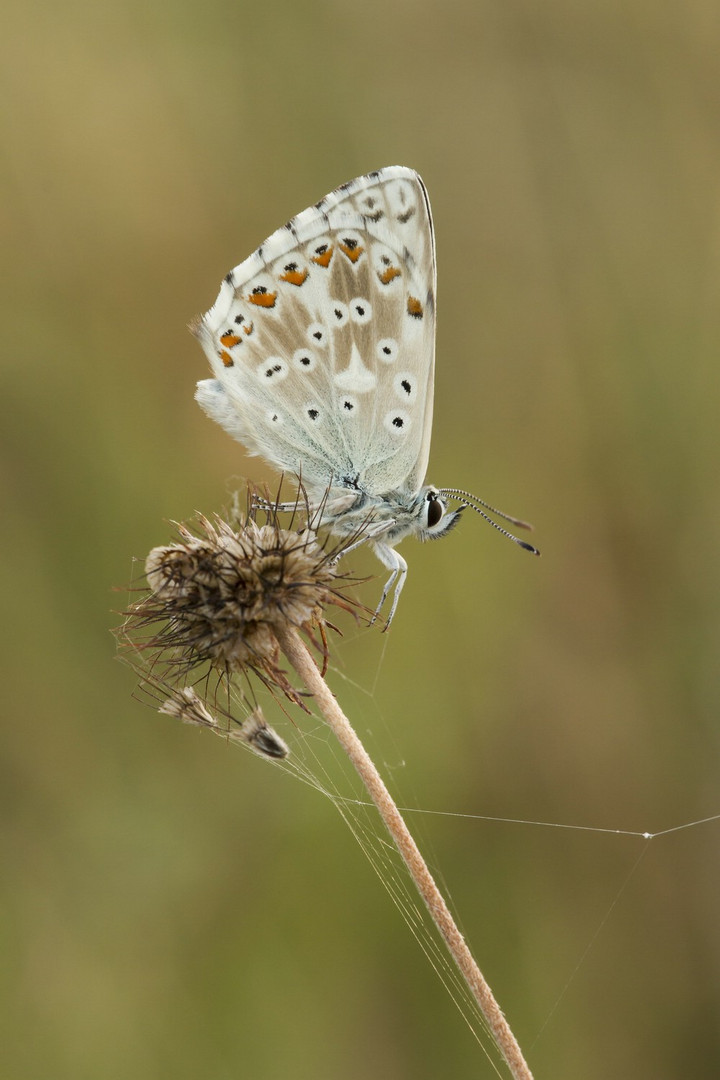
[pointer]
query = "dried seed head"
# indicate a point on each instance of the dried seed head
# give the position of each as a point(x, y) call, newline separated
point(220, 594)
point(223, 593)
point(229, 588)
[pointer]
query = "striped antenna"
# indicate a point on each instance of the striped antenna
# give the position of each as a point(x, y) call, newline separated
point(475, 504)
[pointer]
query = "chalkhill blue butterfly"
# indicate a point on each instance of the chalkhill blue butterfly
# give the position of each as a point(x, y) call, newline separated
point(322, 347)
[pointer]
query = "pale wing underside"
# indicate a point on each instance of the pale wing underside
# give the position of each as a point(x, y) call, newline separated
point(322, 342)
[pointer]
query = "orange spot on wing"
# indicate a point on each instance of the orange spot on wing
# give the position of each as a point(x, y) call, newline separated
point(226, 358)
point(389, 275)
point(324, 259)
point(263, 299)
point(249, 329)
point(228, 340)
point(353, 253)
point(414, 307)
point(295, 277)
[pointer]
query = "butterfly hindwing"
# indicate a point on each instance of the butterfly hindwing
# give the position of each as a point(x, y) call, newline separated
point(322, 342)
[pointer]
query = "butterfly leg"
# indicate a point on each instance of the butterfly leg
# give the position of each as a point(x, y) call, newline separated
point(259, 502)
point(389, 557)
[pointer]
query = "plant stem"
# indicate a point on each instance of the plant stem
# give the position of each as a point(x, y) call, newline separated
point(301, 659)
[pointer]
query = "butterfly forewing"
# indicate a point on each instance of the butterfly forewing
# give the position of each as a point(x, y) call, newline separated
point(322, 342)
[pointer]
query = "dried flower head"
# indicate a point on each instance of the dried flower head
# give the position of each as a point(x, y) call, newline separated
point(218, 596)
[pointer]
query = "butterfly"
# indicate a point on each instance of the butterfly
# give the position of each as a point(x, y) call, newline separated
point(322, 347)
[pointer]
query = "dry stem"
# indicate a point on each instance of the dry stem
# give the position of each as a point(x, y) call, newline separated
point(298, 655)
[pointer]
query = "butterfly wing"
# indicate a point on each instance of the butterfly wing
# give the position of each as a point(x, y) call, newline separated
point(322, 343)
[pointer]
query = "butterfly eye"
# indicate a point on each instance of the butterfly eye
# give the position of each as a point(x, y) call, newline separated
point(435, 511)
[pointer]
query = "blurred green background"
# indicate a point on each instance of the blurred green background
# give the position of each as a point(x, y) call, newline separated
point(173, 907)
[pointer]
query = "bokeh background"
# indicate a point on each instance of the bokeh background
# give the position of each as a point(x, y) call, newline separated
point(174, 907)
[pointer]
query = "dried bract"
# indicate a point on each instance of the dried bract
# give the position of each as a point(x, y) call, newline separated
point(188, 706)
point(261, 737)
point(254, 731)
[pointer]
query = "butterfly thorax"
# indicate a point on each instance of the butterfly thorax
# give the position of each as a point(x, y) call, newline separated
point(389, 517)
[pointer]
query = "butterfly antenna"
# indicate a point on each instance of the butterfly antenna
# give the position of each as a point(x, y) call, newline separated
point(471, 500)
point(493, 509)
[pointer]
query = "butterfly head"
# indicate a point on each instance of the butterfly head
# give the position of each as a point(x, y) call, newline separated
point(432, 515)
